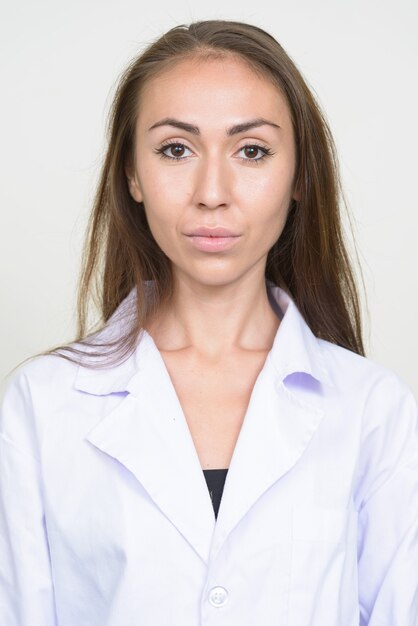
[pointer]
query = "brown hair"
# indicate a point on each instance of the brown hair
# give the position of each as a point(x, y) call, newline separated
point(309, 260)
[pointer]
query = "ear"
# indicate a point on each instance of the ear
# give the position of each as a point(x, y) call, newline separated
point(133, 184)
point(296, 195)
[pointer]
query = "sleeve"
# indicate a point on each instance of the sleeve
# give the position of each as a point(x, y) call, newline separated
point(388, 516)
point(26, 588)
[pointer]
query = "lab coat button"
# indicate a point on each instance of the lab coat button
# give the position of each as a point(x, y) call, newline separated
point(218, 596)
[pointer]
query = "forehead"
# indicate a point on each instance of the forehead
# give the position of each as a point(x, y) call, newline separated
point(222, 88)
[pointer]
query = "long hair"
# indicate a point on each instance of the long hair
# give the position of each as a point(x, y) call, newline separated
point(309, 260)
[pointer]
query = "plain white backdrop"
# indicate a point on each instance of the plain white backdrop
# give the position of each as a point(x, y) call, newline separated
point(59, 66)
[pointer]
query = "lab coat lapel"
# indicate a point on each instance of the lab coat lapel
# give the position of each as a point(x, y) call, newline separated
point(148, 434)
point(285, 410)
point(276, 431)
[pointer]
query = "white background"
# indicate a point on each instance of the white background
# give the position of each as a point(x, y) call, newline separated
point(59, 65)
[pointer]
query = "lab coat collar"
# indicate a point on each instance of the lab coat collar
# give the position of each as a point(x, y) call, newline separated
point(148, 434)
point(295, 348)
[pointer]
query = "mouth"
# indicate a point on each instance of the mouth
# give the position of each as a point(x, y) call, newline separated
point(212, 231)
point(213, 243)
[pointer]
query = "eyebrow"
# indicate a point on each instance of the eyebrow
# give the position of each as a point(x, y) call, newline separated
point(234, 130)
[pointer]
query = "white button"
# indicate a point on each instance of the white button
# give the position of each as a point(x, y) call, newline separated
point(218, 596)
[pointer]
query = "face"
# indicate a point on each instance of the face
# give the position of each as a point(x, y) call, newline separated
point(214, 148)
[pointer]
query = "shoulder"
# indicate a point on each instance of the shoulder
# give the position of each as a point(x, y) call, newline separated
point(30, 392)
point(36, 388)
point(353, 373)
point(42, 376)
point(44, 371)
point(376, 396)
point(382, 409)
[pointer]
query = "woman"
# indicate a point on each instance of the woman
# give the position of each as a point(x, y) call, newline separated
point(230, 348)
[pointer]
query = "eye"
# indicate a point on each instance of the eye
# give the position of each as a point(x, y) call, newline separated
point(177, 151)
point(250, 150)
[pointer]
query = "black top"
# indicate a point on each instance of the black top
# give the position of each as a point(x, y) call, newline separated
point(215, 480)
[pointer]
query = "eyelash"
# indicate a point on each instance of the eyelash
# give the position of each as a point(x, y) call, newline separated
point(266, 151)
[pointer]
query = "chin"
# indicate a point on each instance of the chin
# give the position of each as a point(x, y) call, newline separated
point(212, 276)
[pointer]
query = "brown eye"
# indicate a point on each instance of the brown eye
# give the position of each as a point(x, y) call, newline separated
point(251, 151)
point(177, 150)
point(173, 151)
point(255, 154)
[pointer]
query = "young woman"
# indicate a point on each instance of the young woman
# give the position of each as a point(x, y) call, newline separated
point(229, 362)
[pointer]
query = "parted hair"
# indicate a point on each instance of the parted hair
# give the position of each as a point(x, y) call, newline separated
point(310, 259)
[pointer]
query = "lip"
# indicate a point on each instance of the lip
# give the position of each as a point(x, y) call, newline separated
point(212, 239)
point(213, 244)
point(215, 231)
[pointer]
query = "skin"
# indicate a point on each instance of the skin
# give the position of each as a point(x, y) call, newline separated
point(220, 310)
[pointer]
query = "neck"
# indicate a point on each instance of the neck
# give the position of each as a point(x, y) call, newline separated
point(217, 319)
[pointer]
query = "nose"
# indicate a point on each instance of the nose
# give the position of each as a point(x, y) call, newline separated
point(212, 183)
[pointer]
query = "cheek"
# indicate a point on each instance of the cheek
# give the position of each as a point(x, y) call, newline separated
point(266, 181)
point(269, 226)
point(272, 196)
point(162, 212)
point(162, 191)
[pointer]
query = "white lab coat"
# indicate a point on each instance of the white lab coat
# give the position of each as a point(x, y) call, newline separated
point(106, 518)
